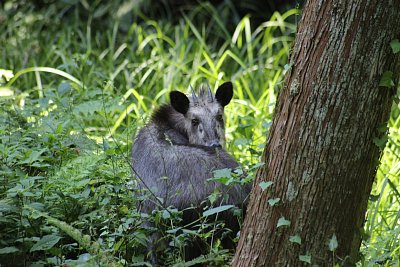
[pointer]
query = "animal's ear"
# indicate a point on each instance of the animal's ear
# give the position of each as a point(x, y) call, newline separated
point(179, 101)
point(224, 93)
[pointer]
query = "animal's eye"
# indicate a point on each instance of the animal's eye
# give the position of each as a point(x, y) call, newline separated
point(220, 117)
point(195, 122)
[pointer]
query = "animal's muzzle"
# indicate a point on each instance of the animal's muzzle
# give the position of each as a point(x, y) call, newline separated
point(215, 144)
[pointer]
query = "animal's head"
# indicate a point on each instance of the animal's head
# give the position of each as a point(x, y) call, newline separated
point(204, 114)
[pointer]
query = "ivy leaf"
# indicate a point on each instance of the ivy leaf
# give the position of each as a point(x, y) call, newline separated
point(165, 214)
point(295, 239)
point(381, 142)
point(395, 44)
point(333, 243)
point(47, 242)
point(257, 165)
point(387, 79)
point(265, 185)
point(305, 258)
point(223, 176)
point(287, 67)
point(222, 173)
point(283, 222)
point(273, 201)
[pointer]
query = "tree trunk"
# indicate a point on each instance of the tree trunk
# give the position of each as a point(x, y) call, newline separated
point(321, 154)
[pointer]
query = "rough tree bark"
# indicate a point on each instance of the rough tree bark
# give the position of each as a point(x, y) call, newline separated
point(320, 153)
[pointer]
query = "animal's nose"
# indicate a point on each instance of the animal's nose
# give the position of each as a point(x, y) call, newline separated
point(215, 145)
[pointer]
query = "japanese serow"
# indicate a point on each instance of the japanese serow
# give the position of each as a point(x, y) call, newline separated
point(175, 155)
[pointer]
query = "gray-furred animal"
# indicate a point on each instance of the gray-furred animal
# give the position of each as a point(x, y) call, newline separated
point(176, 153)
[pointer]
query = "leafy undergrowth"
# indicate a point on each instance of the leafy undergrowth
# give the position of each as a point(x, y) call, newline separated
point(77, 82)
point(381, 245)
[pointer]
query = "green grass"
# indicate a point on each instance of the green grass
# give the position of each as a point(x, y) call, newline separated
point(382, 244)
point(82, 87)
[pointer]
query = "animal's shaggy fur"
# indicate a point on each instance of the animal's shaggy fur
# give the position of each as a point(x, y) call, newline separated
point(176, 153)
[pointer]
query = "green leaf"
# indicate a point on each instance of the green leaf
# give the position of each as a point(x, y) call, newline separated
point(387, 79)
point(305, 258)
point(64, 88)
point(214, 196)
point(223, 176)
point(88, 108)
point(166, 214)
point(381, 142)
point(283, 222)
point(383, 128)
point(45, 243)
point(33, 156)
point(373, 198)
point(8, 250)
point(6, 205)
point(37, 206)
point(265, 185)
point(238, 171)
point(333, 243)
point(223, 173)
point(242, 142)
point(257, 165)
point(273, 201)
point(295, 239)
point(59, 129)
point(83, 182)
point(174, 230)
point(217, 210)
point(395, 45)
point(188, 231)
point(287, 66)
